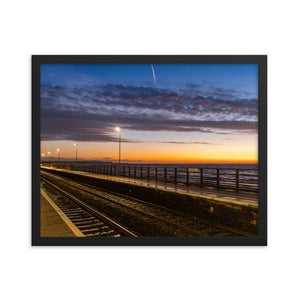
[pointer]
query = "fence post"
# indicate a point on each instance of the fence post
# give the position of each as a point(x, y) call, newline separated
point(218, 178)
point(141, 172)
point(134, 175)
point(148, 173)
point(187, 176)
point(128, 171)
point(201, 180)
point(165, 175)
point(123, 170)
point(175, 175)
point(237, 180)
point(155, 173)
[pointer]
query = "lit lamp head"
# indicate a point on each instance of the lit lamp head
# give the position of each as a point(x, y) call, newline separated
point(118, 129)
point(43, 154)
point(49, 153)
point(57, 149)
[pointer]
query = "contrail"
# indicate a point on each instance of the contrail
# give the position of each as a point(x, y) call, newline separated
point(154, 77)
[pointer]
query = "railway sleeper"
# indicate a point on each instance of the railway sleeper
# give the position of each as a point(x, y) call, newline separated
point(77, 215)
point(90, 226)
point(83, 219)
point(90, 230)
point(79, 210)
point(86, 222)
point(107, 233)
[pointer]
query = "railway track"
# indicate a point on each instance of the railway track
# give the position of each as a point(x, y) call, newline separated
point(90, 222)
point(182, 224)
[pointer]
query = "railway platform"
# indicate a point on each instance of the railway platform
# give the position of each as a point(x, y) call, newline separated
point(225, 195)
point(54, 223)
point(211, 193)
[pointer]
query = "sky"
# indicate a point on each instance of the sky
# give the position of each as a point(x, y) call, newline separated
point(168, 113)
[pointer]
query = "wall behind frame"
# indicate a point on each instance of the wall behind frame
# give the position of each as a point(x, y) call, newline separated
point(134, 27)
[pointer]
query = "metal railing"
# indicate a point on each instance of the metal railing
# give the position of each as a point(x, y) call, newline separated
point(220, 178)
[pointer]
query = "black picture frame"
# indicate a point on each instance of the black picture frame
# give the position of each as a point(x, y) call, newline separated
point(259, 240)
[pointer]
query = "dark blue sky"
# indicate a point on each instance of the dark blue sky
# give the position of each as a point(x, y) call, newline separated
point(241, 77)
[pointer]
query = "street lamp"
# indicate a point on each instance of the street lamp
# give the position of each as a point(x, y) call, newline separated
point(58, 152)
point(49, 156)
point(118, 129)
point(76, 145)
point(43, 155)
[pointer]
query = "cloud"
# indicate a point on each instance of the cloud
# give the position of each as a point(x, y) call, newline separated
point(176, 142)
point(90, 112)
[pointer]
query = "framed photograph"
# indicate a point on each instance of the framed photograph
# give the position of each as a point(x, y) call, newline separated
point(149, 150)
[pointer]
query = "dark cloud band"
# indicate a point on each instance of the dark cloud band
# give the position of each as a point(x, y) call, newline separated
point(89, 113)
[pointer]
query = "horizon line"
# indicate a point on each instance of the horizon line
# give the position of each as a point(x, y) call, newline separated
point(55, 159)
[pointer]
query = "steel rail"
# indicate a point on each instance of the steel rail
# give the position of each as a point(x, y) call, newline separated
point(184, 228)
point(97, 214)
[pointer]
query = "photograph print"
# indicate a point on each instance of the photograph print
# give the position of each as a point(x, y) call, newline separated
point(148, 150)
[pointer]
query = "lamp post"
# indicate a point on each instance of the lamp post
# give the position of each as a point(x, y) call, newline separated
point(118, 129)
point(49, 155)
point(58, 153)
point(43, 155)
point(76, 145)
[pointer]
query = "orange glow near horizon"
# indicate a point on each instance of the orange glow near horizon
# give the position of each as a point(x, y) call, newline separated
point(231, 152)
